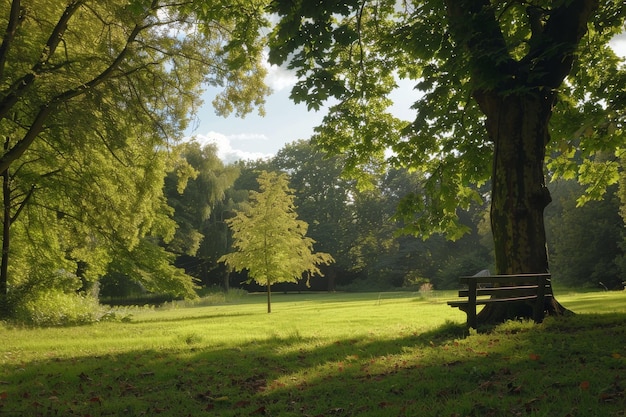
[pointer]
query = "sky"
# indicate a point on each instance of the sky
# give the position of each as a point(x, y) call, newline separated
point(256, 137)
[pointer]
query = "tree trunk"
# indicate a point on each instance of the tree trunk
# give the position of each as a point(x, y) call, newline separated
point(269, 298)
point(518, 127)
point(6, 234)
point(227, 280)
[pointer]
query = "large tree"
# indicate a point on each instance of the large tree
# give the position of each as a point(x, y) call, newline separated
point(489, 76)
point(270, 242)
point(92, 93)
point(200, 205)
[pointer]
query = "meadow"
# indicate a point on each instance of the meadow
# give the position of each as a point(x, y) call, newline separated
point(374, 354)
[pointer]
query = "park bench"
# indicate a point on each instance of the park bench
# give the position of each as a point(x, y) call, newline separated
point(483, 290)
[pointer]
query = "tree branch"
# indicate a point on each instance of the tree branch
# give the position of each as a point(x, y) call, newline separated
point(553, 48)
point(474, 26)
point(16, 17)
point(46, 109)
point(21, 85)
point(23, 203)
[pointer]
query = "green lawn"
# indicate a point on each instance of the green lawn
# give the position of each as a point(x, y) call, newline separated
point(388, 354)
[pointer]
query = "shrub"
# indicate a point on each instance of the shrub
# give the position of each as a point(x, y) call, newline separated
point(57, 308)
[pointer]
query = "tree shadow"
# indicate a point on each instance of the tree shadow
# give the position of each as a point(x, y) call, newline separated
point(516, 369)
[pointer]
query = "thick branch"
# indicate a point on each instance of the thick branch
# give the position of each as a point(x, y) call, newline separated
point(552, 50)
point(22, 85)
point(473, 25)
point(15, 18)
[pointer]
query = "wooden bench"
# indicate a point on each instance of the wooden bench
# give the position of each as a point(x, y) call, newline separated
point(483, 290)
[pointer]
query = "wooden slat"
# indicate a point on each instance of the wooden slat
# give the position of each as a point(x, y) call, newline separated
point(502, 292)
point(483, 301)
point(503, 279)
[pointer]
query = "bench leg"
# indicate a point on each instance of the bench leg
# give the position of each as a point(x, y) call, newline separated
point(471, 305)
point(539, 307)
point(471, 317)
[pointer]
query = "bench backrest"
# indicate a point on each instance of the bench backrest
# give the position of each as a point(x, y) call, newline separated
point(506, 286)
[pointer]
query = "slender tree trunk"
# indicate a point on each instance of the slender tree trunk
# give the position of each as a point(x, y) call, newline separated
point(227, 281)
point(518, 127)
point(269, 298)
point(6, 234)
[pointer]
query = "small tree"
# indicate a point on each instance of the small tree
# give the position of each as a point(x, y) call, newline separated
point(269, 241)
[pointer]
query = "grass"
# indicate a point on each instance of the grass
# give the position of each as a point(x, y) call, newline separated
point(388, 354)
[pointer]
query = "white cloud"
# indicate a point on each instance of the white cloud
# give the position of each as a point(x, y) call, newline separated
point(225, 150)
point(618, 43)
point(278, 77)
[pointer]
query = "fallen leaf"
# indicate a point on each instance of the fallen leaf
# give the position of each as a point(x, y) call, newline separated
point(616, 355)
point(534, 357)
point(608, 397)
point(4, 395)
point(584, 385)
point(259, 411)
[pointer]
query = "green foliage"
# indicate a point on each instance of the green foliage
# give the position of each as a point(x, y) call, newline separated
point(461, 263)
point(92, 96)
point(361, 228)
point(270, 242)
point(52, 298)
point(488, 75)
point(323, 196)
point(209, 297)
point(151, 266)
point(200, 202)
point(585, 242)
point(58, 308)
point(414, 280)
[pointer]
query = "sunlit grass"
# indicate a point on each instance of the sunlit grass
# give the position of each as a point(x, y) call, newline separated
point(321, 354)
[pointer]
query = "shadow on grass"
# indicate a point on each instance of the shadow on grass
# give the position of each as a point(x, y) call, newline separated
point(189, 318)
point(564, 367)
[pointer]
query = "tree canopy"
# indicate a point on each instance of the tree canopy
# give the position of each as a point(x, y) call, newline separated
point(489, 77)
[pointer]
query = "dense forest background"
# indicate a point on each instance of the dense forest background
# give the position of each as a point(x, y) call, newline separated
point(356, 221)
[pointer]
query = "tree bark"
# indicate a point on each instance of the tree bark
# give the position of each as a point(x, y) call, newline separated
point(517, 97)
point(518, 127)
